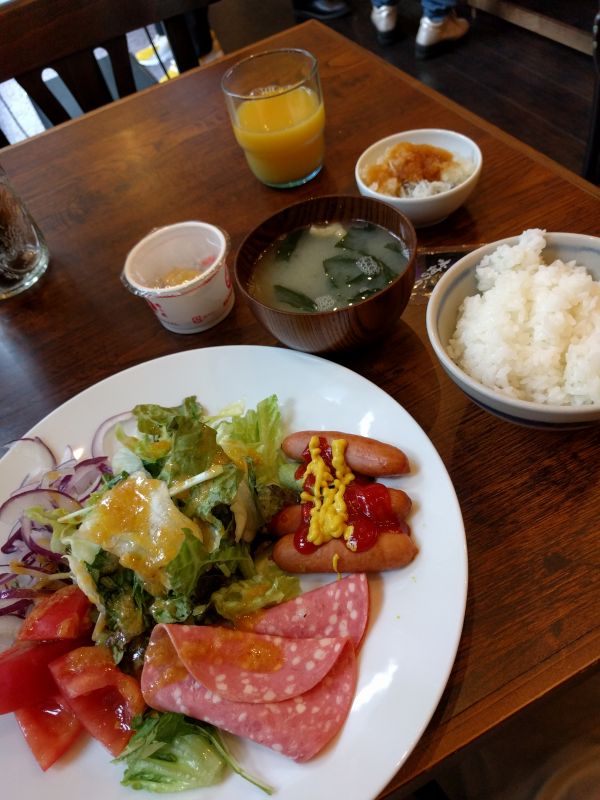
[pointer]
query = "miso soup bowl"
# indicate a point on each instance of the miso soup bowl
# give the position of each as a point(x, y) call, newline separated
point(344, 328)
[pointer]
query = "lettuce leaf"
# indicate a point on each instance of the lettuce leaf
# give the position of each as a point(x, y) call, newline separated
point(189, 583)
point(255, 436)
point(267, 587)
point(253, 443)
point(194, 449)
point(210, 501)
point(171, 753)
point(174, 442)
point(184, 571)
point(158, 421)
point(168, 754)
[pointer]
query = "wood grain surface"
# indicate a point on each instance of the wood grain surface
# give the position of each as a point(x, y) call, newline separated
point(529, 498)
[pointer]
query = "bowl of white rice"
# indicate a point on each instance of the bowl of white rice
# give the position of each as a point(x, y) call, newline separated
point(516, 325)
point(426, 173)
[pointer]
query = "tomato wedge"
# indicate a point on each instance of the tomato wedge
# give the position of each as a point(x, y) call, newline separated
point(65, 614)
point(25, 679)
point(49, 728)
point(104, 699)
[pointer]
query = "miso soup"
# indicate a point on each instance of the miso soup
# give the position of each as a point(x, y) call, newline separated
point(326, 267)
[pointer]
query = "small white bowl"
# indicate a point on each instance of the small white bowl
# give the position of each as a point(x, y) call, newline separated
point(423, 211)
point(442, 312)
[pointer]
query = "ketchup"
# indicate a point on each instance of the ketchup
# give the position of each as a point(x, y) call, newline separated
point(301, 543)
point(368, 504)
point(326, 455)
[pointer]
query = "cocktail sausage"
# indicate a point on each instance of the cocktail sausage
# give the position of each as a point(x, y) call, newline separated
point(289, 518)
point(366, 456)
point(392, 550)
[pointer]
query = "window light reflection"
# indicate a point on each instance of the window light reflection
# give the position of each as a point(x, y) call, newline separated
point(365, 424)
point(378, 683)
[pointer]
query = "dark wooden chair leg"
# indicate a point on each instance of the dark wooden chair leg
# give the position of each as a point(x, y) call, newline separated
point(591, 164)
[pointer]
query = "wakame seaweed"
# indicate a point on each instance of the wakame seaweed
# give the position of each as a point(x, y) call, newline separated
point(295, 299)
point(288, 244)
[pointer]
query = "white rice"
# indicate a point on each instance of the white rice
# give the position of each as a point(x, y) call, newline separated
point(533, 331)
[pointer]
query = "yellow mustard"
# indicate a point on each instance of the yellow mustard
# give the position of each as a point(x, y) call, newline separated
point(329, 514)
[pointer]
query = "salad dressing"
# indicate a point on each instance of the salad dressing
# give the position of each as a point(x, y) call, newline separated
point(252, 653)
point(411, 163)
point(138, 522)
point(161, 652)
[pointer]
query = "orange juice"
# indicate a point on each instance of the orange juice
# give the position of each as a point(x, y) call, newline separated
point(282, 135)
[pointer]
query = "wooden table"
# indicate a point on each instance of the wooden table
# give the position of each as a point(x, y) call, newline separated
point(529, 498)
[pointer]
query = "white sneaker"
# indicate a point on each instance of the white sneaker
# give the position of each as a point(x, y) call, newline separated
point(384, 19)
point(434, 36)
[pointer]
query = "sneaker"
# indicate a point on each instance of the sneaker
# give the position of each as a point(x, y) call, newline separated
point(148, 55)
point(434, 36)
point(384, 19)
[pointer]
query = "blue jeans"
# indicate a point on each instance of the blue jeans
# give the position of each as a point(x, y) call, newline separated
point(434, 9)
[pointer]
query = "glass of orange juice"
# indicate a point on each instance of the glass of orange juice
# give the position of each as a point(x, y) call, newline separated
point(275, 103)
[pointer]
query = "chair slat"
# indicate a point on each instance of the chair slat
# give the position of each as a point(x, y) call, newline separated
point(36, 34)
point(39, 92)
point(82, 75)
point(120, 60)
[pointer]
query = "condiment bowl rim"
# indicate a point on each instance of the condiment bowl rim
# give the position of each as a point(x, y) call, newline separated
point(478, 157)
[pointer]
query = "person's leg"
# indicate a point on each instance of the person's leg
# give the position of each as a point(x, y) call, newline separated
point(439, 27)
point(436, 9)
point(320, 9)
point(384, 16)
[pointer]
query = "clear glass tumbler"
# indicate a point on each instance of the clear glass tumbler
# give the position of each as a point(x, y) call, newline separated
point(275, 104)
point(24, 255)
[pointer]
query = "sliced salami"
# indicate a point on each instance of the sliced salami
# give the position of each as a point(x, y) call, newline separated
point(248, 667)
point(299, 728)
point(338, 609)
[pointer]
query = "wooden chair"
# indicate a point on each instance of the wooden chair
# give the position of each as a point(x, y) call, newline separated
point(62, 34)
point(591, 166)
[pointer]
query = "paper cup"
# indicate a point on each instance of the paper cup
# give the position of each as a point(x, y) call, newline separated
point(181, 271)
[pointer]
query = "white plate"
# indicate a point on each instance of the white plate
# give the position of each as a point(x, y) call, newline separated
point(417, 612)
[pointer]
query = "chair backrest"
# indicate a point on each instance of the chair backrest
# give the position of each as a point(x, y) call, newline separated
point(591, 164)
point(62, 34)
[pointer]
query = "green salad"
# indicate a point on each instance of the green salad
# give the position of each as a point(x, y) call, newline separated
point(171, 536)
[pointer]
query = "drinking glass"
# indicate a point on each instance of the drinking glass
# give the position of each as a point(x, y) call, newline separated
point(24, 254)
point(275, 104)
